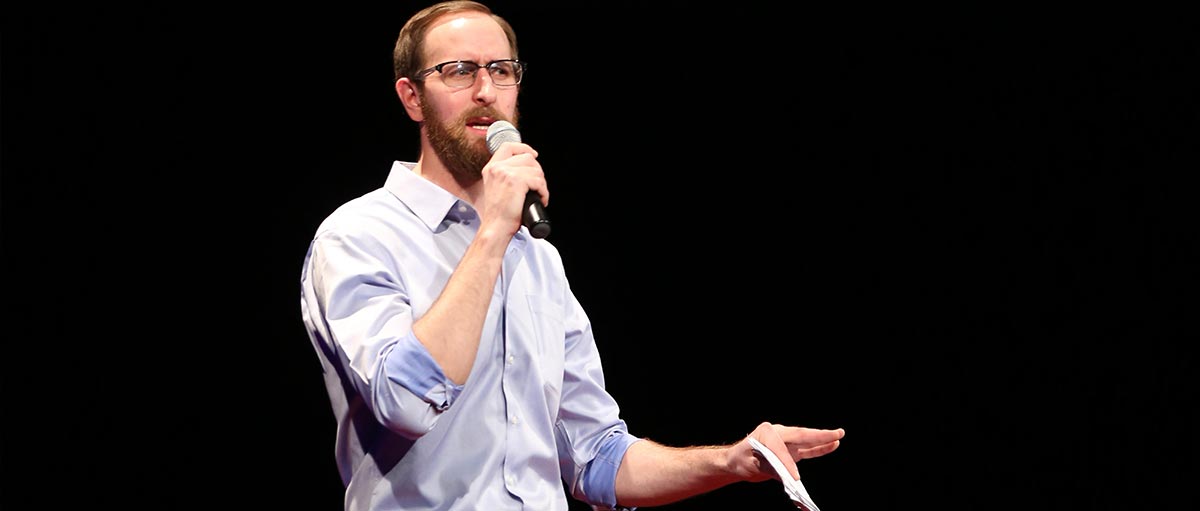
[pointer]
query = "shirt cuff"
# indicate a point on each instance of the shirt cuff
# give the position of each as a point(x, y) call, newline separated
point(600, 478)
point(411, 366)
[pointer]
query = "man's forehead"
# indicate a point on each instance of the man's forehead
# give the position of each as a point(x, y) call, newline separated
point(457, 21)
point(471, 31)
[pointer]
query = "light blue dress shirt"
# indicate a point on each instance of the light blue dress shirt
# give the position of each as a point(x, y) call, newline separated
point(533, 413)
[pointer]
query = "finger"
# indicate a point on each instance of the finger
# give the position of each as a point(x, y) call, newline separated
point(508, 149)
point(808, 437)
point(813, 452)
point(525, 164)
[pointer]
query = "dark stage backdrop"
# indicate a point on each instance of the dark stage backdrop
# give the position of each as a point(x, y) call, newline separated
point(963, 236)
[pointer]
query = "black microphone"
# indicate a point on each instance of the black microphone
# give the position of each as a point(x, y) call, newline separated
point(534, 214)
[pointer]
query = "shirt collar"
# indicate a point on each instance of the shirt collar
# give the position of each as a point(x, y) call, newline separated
point(430, 202)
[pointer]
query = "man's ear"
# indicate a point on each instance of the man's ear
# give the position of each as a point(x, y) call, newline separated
point(410, 97)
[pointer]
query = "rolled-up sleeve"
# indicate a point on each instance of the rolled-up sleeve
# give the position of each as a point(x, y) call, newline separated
point(600, 476)
point(368, 321)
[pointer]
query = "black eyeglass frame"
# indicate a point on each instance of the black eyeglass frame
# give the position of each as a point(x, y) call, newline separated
point(519, 71)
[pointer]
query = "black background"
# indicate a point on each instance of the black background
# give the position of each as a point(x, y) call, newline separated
point(964, 236)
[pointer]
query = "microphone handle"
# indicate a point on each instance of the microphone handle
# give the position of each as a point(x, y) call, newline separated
point(534, 215)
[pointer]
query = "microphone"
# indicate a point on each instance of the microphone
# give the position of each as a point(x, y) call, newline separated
point(534, 214)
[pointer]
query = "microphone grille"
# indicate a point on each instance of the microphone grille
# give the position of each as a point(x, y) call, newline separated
point(500, 132)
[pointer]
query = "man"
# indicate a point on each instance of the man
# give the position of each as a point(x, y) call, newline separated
point(461, 368)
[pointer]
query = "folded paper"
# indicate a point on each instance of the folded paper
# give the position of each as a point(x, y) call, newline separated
point(794, 488)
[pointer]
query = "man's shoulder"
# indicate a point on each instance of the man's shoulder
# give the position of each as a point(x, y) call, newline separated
point(374, 207)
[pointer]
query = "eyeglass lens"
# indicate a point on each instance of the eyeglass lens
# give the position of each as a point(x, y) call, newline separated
point(462, 74)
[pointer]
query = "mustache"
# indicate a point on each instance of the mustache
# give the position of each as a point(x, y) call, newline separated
point(484, 111)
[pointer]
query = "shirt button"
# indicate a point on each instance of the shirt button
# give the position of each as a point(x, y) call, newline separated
point(511, 359)
point(512, 480)
point(513, 419)
point(462, 208)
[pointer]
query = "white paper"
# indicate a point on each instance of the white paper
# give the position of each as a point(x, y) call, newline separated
point(794, 488)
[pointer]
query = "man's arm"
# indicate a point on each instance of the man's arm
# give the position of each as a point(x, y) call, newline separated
point(450, 329)
point(652, 474)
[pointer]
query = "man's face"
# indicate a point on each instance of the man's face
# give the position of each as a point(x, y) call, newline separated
point(456, 120)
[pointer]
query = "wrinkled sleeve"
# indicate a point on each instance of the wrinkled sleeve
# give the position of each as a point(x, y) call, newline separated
point(592, 438)
point(363, 321)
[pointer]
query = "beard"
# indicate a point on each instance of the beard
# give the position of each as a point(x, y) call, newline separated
point(463, 156)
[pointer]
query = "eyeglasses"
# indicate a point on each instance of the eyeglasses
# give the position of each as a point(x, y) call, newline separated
point(460, 74)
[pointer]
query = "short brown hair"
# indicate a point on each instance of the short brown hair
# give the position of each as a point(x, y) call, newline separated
point(406, 57)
